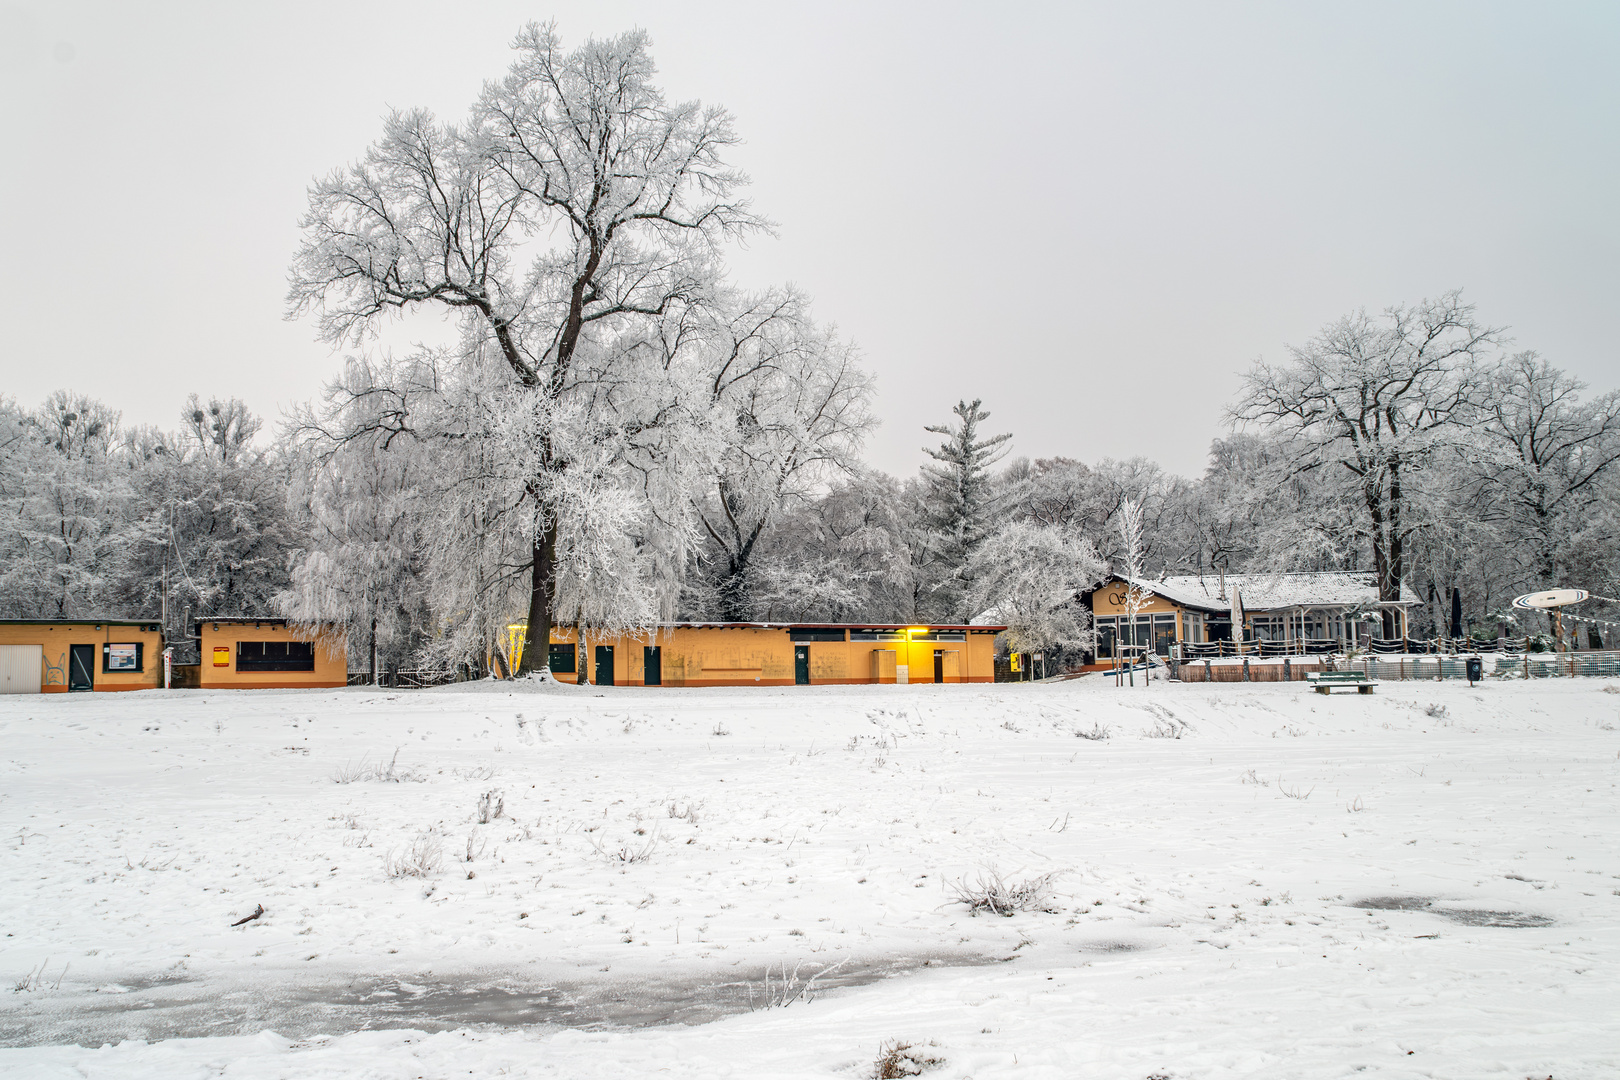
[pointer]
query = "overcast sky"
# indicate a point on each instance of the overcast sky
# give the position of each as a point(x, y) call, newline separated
point(1093, 216)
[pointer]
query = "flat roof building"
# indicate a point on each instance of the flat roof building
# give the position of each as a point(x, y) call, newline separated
point(242, 652)
point(57, 656)
point(777, 654)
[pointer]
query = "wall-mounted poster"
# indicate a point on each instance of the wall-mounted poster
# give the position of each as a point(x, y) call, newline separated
point(123, 657)
point(222, 656)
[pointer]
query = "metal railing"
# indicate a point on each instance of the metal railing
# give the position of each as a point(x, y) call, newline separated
point(408, 680)
point(1387, 668)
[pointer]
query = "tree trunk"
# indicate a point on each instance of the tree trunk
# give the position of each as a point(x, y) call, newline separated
point(537, 634)
point(374, 652)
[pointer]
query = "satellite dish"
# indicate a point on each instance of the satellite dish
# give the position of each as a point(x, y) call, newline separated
point(1552, 598)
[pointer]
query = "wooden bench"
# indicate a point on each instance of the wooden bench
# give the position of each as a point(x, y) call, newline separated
point(1323, 682)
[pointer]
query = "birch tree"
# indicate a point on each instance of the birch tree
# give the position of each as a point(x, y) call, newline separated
point(573, 208)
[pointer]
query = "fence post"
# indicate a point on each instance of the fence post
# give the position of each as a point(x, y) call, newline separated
point(1288, 670)
point(1246, 669)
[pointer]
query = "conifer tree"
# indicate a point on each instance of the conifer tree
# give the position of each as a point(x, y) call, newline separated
point(962, 501)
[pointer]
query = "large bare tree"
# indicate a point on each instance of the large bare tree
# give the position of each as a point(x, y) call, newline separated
point(792, 407)
point(571, 211)
point(1548, 456)
point(1369, 402)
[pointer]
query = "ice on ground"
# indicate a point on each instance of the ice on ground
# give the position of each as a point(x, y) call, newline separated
point(1245, 880)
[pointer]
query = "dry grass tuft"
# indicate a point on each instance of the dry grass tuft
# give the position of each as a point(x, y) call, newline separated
point(897, 1060)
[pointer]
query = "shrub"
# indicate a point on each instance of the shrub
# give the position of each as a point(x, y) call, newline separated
point(788, 988)
point(364, 771)
point(993, 893)
point(424, 858)
point(897, 1060)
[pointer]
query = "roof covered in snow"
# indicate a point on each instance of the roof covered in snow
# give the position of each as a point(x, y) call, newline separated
point(1271, 592)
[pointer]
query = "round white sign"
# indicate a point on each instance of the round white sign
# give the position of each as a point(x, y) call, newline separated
point(1550, 599)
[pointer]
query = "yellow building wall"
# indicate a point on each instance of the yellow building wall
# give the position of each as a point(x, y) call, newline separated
point(1110, 600)
point(331, 658)
point(54, 639)
point(751, 656)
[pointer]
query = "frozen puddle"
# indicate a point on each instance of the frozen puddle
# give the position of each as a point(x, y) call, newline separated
point(171, 1010)
point(1464, 916)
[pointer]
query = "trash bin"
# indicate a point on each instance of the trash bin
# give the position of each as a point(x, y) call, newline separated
point(1476, 670)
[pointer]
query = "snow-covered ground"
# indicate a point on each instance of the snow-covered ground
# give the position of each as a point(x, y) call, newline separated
point(657, 849)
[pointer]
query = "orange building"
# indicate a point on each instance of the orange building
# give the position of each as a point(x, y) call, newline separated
point(46, 656)
point(779, 654)
point(258, 654)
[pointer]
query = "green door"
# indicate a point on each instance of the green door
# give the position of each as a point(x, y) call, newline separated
point(653, 665)
point(604, 665)
point(82, 667)
point(801, 665)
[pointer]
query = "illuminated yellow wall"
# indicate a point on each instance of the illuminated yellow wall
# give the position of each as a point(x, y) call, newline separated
point(751, 656)
point(331, 657)
point(54, 639)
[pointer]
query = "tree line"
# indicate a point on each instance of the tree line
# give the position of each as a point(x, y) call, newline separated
point(621, 437)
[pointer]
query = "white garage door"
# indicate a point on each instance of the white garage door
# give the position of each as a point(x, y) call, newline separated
point(20, 668)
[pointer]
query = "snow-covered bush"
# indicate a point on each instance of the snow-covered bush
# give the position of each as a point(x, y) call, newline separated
point(993, 893)
point(897, 1060)
point(424, 858)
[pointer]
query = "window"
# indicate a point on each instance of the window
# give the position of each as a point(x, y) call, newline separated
point(1106, 630)
point(816, 633)
point(561, 659)
point(275, 656)
point(877, 635)
point(125, 657)
point(941, 635)
point(1164, 633)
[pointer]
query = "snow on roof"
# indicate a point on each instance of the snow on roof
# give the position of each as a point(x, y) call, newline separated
point(1272, 592)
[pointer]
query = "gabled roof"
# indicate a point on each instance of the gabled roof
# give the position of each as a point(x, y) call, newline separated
point(1271, 592)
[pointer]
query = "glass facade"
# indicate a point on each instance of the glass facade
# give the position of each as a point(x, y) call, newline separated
point(1118, 636)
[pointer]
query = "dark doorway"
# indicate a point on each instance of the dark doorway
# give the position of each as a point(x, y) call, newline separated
point(939, 665)
point(653, 666)
point(604, 665)
point(81, 667)
point(801, 665)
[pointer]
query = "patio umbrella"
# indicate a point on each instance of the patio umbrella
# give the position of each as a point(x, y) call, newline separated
point(1456, 612)
point(1237, 618)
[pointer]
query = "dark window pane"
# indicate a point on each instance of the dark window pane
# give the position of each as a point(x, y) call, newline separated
point(562, 659)
point(275, 656)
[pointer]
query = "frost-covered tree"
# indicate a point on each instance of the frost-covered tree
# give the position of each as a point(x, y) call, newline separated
point(860, 552)
point(70, 524)
point(1549, 459)
point(1132, 552)
point(214, 510)
point(791, 405)
point(1029, 576)
point(364, 562)
point(222, 430)
point(569, 214)
point(962, 502)
point(1369, 403)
